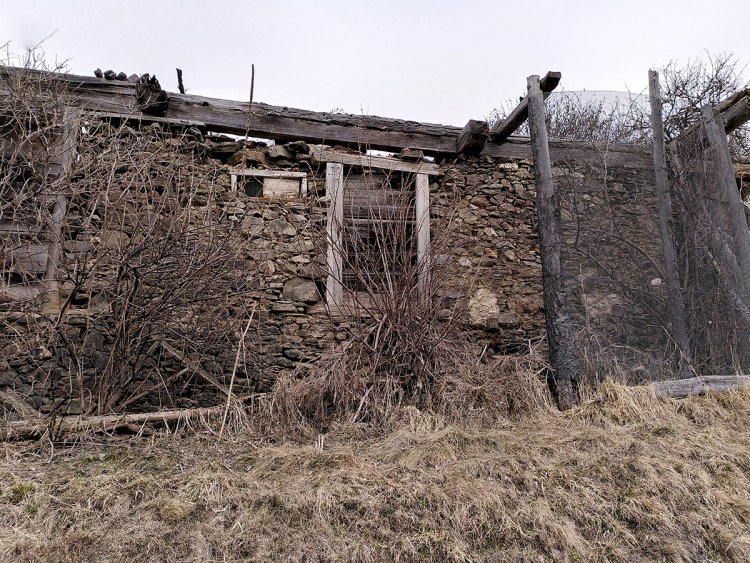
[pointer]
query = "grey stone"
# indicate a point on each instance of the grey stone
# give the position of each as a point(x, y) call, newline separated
point(284, 362)
point(411, 154)
point(294, 354)
point(94, 341)
point(281, 227)
point(283, 307)
point(278, 151)
point(256, 157)
point(224, 150)
point(297, 289)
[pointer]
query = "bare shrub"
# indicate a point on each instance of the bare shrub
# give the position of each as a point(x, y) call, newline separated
point(686, 88)
point(404, 344)
point(152, 254)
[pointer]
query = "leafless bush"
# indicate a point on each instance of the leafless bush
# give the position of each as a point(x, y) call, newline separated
point(151, 254)
point(569, 117)
point(404, 346)
point(685, 89)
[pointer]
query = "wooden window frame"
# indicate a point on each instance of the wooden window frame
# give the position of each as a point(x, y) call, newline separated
point(264, 174)
point(335, 189)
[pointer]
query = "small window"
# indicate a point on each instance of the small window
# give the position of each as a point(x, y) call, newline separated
point(253, 187)
point(269, 183)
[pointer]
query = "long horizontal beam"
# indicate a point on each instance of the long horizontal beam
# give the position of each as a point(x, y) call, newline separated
point(116, 98)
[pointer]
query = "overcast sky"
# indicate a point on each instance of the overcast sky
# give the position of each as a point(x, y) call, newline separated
point(435, 61)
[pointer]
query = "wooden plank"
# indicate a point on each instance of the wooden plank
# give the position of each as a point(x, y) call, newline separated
point(472, 139)
point(335, 191)
point(678, 329)
point(20, 229)
point(288, 124)
point(321, 155)
point(556, 313)
point(21, 292)
point(737, 115)
point(504, 129)
point(681, 388)
point(138, 117)
point(26, 258)
point(422, 209)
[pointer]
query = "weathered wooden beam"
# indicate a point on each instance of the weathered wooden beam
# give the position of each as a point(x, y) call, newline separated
point(736, 115)
point(334, 258)
point(114, 98)
point(735, 111)
point(37, 426)
point(320, 154)
point(504, 129)
point(422, 213)
point(681, 388)
point(676, 307)
point(473, 137)
point(559, 327)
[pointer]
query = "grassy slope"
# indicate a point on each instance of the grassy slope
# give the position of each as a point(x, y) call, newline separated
point(624, 478)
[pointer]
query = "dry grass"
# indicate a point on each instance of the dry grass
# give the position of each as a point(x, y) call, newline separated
point(624, 477)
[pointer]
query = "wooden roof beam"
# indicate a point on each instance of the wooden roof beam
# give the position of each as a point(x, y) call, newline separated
point(502, 130)
point(114, 98)
point(473, 137)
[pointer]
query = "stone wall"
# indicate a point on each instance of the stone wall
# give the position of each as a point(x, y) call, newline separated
point(494, 273)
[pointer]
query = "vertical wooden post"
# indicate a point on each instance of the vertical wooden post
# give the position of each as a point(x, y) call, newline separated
point(335, 190)
point(66, 154)
point(422, 212)
point(559, 330)
point(676, 307)
point(726, 191)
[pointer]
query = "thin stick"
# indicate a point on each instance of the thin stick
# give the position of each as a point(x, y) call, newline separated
point(180, 85)
point(249, 111)
point(240, 346)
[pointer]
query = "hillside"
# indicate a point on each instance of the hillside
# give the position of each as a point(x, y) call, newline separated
point(624, 477)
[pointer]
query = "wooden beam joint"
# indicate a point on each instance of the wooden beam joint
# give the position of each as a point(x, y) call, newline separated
point(473, 137)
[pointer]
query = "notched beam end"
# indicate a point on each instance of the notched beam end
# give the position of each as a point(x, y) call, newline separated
point(737, 114)
point(550, 81)
point(473, 137)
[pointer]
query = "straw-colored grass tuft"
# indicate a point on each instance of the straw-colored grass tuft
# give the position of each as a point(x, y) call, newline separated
point(626, 476)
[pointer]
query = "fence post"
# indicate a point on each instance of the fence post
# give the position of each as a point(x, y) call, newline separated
point(676, 306)
point(559, 331)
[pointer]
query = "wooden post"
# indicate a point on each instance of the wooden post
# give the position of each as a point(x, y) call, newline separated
point(335, 190)
point(559, 330)
point(66, 154)
point(422, 212)
point(676, 307)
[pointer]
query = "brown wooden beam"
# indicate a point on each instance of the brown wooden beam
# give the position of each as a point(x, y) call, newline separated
point(113, 98)
point(681, 388)
point(473, 137)
point(504, 129)
point(737, 114)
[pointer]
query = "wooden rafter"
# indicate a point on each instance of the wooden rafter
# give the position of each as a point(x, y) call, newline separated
point(504, 129)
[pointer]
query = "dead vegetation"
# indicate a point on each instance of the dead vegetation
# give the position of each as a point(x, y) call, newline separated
point(624, 477)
